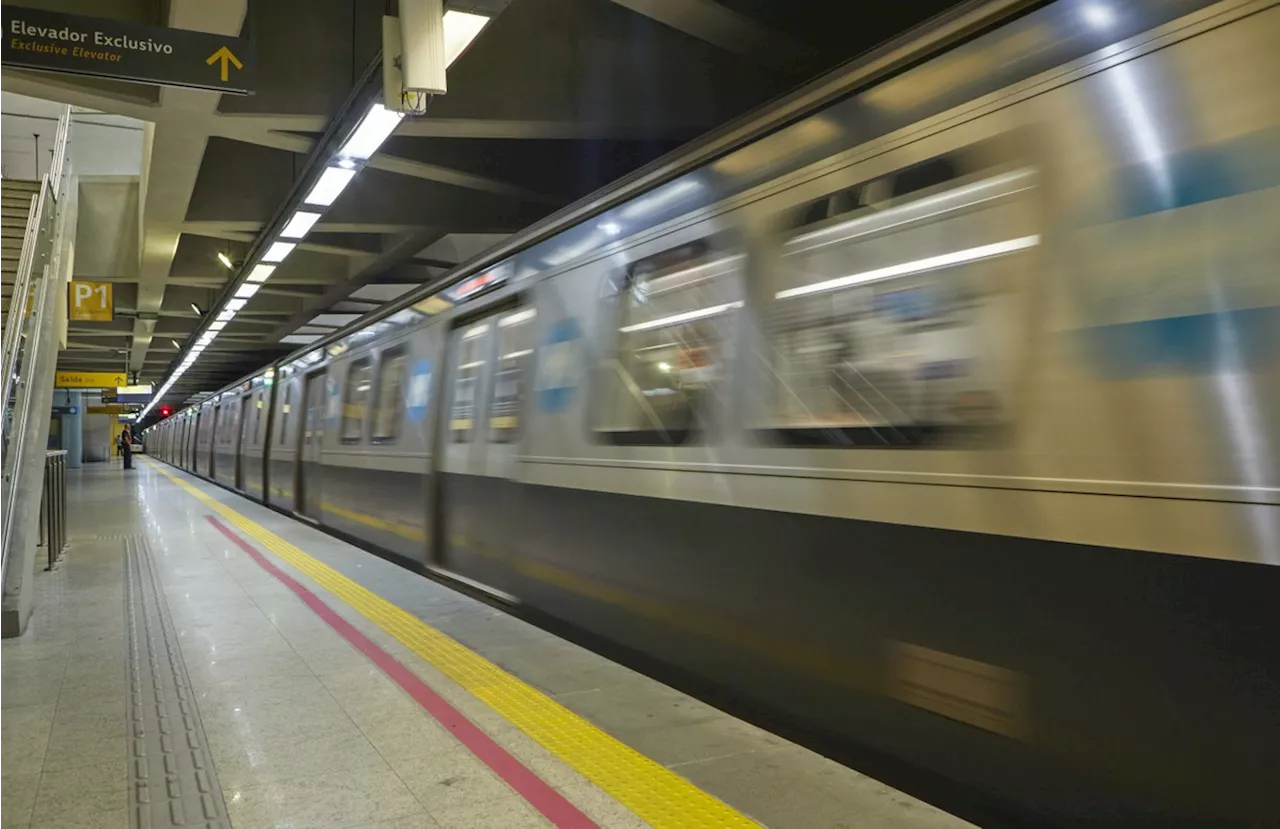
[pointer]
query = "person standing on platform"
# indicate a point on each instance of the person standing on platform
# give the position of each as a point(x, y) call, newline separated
point(126, 448)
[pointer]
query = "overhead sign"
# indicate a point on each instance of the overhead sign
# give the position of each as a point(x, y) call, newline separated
point(89, 302)
point(134, 394)
point(108, 410)
point(90, 379)
point(79, 45)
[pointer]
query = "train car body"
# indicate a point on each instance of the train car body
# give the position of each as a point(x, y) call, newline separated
point(941, 423)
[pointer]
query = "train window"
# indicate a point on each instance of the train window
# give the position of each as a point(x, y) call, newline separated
point(515, 348)
point(674, 314)
point(471, 354)
point(285, 408)
point(257, 419)
point(390, 400)
point(355, 403)
point(893, 316)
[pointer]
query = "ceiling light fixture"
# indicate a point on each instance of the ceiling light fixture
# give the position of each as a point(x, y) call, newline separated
point(330, 185)
point(375, 128)
point(460, 28)
point(260, 273)
point(299, 225)
point(278, 251)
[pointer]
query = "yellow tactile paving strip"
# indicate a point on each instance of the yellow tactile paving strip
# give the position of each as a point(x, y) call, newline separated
point(657, 795)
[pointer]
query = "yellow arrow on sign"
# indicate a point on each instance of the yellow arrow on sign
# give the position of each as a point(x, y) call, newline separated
point(224, 54)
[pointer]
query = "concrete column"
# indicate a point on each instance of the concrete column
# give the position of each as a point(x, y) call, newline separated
point(73, 431)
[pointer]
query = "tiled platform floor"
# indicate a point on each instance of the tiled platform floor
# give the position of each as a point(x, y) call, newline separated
point(305, 731)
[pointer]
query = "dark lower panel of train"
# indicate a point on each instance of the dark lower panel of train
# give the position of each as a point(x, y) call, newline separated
point(1124, 688)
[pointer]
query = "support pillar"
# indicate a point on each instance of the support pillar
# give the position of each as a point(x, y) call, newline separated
point(73, 430)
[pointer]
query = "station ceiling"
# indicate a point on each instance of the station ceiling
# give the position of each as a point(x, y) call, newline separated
point(554, 99)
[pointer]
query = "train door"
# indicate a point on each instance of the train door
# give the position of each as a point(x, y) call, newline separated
point(244, 413)
point(488, 363)
point(215, 437)
point(310, 439)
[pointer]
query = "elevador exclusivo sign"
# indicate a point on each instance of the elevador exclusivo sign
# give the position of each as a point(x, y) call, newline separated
point(41, 39)
point(75, 44)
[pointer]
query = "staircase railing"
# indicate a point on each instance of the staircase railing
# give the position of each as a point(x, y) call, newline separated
point(30, 353)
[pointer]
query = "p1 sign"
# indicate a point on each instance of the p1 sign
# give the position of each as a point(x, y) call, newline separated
point(89, 302)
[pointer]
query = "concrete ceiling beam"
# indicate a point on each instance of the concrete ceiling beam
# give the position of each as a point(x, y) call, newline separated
point(529, 129)
point(303, 145)
point(709, 21)
point(396, 253)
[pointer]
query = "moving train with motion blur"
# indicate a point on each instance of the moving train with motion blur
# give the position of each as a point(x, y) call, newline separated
point(930, 413)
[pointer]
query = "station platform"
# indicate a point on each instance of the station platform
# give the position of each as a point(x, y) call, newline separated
point(199, 660)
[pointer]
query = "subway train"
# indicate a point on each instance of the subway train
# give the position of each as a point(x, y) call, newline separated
point(931, 415)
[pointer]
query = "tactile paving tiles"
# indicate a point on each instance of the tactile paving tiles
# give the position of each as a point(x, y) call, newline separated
point(659, 796)
point(171, 776)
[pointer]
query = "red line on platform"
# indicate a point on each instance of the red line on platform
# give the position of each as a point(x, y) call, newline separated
point(539, 794)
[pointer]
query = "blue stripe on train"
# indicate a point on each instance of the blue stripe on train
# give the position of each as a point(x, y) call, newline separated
point(1195, 344)
point(1217, 171)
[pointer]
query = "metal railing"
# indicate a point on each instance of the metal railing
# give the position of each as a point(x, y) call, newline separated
point(53, 506)
point(30, 353)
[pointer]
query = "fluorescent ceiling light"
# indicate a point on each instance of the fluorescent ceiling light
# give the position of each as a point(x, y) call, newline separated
point(278, 251)
point(226, 260)
point(299, 225)
point(176, 344)
point(932, 263)
point(226, 314)
point(236, 304)
point(246, 290)
point(676, 319)
point(196, 308)
point(260, 273)
point(217, 325)
point(300, 339)
point(460, 28)
point(331, 184)
point(378, 124)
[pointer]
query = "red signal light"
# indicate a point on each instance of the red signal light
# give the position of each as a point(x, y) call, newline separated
point(165, 411)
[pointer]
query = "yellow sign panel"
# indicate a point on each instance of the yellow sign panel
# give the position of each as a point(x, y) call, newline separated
point(109, 410)
point(89, 302)
point(90, 379)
